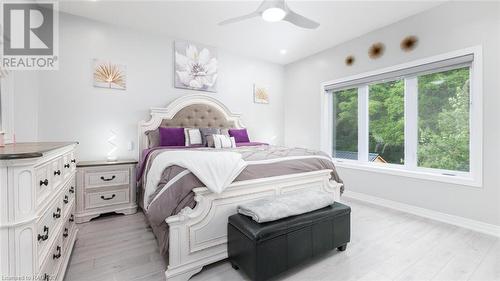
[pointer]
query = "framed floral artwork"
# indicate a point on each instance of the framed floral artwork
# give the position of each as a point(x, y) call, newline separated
point(195, 67)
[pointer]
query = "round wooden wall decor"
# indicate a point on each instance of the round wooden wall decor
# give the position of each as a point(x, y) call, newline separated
point(376, 50)
point(409, 43)
point(349, 60)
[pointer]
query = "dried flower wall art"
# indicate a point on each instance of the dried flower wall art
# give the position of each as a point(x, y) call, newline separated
point(260, 94)
point(195, 67)
point(409, 43)
point(110, 75)
point(349, 60)
point(376, 50)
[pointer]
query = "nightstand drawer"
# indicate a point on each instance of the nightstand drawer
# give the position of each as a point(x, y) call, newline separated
point(107, 198)
point(107, 178)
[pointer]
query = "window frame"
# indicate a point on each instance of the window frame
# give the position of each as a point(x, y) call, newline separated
point(410, 168)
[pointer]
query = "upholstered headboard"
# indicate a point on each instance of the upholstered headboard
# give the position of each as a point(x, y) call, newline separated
point(189, 111)
point(198, 116)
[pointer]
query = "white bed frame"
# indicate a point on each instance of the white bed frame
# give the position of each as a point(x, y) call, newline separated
point(198, 236)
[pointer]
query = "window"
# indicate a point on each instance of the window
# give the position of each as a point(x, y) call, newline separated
point(345, 115)
point(386, 122)
point(416, 119)
point(443, 120)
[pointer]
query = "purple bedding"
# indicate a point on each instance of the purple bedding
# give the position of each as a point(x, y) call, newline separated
point(168, 202)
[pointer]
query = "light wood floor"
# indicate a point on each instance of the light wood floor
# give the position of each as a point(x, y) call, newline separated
point(385, 245)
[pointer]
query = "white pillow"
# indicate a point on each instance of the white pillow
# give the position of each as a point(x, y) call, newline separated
point(222, 141)
point(193, 136)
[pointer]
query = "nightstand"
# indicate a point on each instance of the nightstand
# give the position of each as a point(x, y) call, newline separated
point(105, 187)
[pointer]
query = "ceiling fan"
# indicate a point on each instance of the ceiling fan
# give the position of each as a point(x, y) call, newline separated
point(273, 11)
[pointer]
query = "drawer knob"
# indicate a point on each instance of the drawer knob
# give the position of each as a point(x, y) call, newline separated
point(71, 218)
point(58, 255)
point(57, 214)
point(65, 233)
point(72, 189)
point(73, 160)
point(108, 179)
point(45, 235)
point(58, 172)
point(66, 166)
point(45, 182)
point(108, 198)
point(66, 199)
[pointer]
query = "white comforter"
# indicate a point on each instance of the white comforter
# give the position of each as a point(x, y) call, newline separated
point(216, 170)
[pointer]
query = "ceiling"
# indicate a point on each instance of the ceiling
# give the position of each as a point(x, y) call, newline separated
point(197, 21)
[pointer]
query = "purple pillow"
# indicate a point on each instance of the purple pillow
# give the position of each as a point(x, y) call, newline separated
point(240, 135)
point(172, 137)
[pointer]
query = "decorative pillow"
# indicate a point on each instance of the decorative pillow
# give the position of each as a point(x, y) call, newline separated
point(222, 141)
point(172, 137)
point(210, 141)
point(193, 136)
point(153, 138)
point(208, 132)
point(240, 135)
point(224, 131)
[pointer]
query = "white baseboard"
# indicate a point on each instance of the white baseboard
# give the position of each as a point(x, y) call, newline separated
point(483, 227)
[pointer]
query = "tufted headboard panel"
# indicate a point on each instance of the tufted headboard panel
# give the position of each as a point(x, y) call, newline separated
point(199, 116)
point(189, 111)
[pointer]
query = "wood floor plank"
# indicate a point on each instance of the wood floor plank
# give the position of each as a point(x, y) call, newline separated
point(385, 245)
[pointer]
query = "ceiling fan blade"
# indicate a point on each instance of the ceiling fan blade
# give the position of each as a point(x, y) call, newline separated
point(240, 18)
point(300, 20)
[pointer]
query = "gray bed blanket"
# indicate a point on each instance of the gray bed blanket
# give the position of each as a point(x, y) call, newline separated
point(287, 205)
point(170, 201)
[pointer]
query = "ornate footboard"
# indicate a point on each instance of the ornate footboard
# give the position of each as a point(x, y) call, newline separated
point(198, 236)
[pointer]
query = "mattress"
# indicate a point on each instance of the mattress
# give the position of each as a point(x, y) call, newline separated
point(267, 161)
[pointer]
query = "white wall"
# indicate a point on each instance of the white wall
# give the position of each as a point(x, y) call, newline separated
point(451, 26)
point(72, 109)
point(25, 95)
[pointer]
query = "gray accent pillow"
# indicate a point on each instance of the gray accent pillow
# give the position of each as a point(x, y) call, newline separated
point(153, 138)
point(205, 132)
point(210, 141)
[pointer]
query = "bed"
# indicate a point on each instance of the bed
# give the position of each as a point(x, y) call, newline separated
point(190, 221)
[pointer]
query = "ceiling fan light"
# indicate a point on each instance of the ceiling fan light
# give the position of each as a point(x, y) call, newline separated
point(273, 14)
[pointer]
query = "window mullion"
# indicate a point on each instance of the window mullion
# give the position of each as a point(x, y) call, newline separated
point(363, 123)
point(411, 122)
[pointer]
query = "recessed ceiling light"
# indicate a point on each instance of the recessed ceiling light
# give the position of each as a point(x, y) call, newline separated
point(273, 14)
point(283, 51)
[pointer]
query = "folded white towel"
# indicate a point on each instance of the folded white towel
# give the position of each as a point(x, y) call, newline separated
point(271, 209)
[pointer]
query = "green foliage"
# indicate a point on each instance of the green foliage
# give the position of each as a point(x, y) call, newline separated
point(386, 111)
point(443, 120)
point(346, 120)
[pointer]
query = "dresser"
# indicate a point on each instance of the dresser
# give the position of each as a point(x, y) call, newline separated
point(37, 210)
point(105, 187)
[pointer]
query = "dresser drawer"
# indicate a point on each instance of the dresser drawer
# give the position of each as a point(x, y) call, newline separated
point(48, 224)
point(56, 171)
point(43, 182)
point(52, 261)
point(106, 198)
point(68, 228)
point(107, 178)
point(66, 165)
point(68, 194)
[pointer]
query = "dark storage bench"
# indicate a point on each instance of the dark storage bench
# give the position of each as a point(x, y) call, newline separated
point(267, 249)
